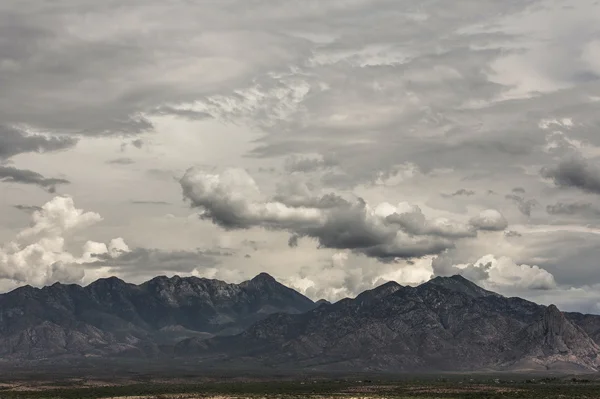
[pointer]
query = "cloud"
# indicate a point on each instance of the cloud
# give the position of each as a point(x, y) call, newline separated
point(490, 220)
point(415, 223)
point(121, 161)
point(574, 173)
point(150, 202)
point(38, 254)
point(573, 208)
point(525, 206)
point(512, 233)
point(139, 262)
point(306, 164)
point(500, 274)
point(11, 174)
point(14, 141)
point(460, 192)
point(233, 200)
point(27, 208)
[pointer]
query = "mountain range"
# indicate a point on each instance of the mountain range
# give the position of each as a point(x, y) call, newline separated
point(445, 324)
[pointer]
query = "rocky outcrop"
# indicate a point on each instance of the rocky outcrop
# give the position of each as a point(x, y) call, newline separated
point(553, 340)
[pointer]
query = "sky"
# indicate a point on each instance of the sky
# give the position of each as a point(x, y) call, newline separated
point(333, 144)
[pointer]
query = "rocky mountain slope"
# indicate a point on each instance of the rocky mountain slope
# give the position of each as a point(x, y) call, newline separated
point(445, 324)
point(112, 317)
point(448, 323)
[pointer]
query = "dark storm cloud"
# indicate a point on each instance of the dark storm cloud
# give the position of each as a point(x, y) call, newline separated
point(13, 175)
point(575, 173)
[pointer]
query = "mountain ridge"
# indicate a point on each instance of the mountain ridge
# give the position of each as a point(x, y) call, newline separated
point(447, 323)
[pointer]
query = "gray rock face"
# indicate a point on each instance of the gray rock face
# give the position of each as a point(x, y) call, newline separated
point(111, 317)
point(445, 324)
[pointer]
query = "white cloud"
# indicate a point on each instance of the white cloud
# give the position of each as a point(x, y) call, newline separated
point(38, 255)
point(489, 219)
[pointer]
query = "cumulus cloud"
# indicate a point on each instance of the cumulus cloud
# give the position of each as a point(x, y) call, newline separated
point(38, 254)
point(576, 173)
point(346, 275)
point(489, 219)
point(414, 222)
point(497, 273)
point(233, 200)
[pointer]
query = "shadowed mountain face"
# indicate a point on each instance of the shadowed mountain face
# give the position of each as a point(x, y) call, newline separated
point(448, 323)
point(111, 317)
point(444, 324)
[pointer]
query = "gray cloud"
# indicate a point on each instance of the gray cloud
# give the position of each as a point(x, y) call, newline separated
point(430, 101)
point(232, 200)
point(415, 223)
point(308, 164)
point(573, 208)
point(121, 161)
point(512, 233)
point(13, 175)
point(459, 193)
point(575, 173)
point(490, 220)
point(183, 113)
point(525, 206)
point(27, 208)
point(14, 141)
point(149, 202)
point(154, 261)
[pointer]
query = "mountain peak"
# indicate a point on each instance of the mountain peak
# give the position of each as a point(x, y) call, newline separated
point(379, 292)
point(460, 284)
point(553, 319)
point(263, 278)
point(108, 281)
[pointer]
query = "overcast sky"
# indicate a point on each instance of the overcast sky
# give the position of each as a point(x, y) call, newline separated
point(335, 144)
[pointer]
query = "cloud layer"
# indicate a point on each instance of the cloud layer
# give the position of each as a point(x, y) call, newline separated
point(233, 200)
